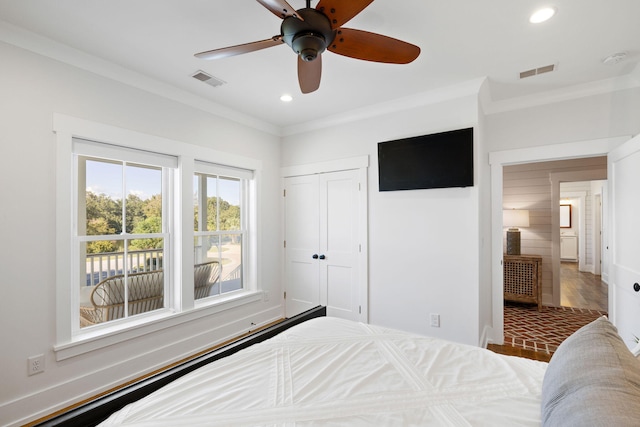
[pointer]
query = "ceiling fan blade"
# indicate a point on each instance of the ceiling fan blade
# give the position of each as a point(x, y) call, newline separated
point(373, 47)
point(240, 49)
point(340, 11)
point(280, 8)
point(309, 74)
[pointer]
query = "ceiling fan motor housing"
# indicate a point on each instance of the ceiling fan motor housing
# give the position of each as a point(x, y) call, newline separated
point(308, 38)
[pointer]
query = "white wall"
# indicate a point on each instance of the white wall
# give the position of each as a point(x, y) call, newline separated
point(32, 89)
point(423, 244)
point(586, 118)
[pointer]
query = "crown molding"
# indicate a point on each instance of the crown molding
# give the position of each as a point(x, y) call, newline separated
point(628, 81)
point(436, 96)
point(40, 45)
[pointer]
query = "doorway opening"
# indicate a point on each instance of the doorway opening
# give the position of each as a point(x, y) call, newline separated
point(616, 147)
point(581, 282)
point(559, 197)
point(538, 188)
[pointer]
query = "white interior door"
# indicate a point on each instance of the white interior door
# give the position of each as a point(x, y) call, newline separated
point(597, 232)
point(302, 228)
point(323, 252)
point(339, 244)
point(624, 272)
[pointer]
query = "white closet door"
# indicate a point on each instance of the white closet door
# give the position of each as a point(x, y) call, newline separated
point(302, 226)
point(624, 301)
point(322, 253)
point(339, 244)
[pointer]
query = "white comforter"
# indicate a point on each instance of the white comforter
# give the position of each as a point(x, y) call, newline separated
point(329, 371)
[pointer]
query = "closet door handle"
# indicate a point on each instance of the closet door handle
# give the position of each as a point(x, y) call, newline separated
point(322, 257)
point(315, 256)
point(636, 287)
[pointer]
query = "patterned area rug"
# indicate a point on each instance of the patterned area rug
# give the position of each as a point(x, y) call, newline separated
point(528, 328)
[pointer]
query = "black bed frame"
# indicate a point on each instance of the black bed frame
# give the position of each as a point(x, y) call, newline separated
point(94, 412)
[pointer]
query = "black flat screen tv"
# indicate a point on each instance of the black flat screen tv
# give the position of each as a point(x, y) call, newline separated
point(439, 160)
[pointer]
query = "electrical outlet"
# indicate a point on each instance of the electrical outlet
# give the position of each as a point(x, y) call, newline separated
point(265, 296)
point(35, 364)
point(435, 320)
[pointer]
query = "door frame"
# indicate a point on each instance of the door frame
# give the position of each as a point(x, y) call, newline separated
point(499, 159)
point(597, 233)
point(360, 163)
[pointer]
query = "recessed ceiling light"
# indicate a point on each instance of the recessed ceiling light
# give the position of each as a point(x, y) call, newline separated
point(542, 15)
point(286, 98)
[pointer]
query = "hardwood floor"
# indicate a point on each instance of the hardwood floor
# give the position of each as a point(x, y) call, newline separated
point(582, 290)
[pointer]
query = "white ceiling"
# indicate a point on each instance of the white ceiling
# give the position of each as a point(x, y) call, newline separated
point(461, 41)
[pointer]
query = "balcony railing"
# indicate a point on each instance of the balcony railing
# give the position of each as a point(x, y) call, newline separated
point(103, 265)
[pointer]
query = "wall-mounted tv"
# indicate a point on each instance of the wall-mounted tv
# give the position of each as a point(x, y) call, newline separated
point(439, 160)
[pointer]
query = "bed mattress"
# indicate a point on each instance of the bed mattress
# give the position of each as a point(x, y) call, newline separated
point(330, 371)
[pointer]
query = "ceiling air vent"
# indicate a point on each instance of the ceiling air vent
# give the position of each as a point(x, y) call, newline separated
point(536, 71)
point(208, 79)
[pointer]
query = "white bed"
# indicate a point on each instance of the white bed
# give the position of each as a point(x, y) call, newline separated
point(330, 371)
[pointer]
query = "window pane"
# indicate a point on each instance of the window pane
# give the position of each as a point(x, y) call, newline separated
point(206, 249)
point(103, 197)
point(144, 199)
point(231, 253)
point(196, 201)
point(104, 259)
point(222, 202)
point(225, 251)
point(145, 282)
point(229, 203)
point(145, 254)
point(212, 203)
point(102, 293)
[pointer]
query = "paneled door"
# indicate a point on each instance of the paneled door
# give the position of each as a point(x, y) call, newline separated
point(302, 228)
point(624, 278)
point(323, 249)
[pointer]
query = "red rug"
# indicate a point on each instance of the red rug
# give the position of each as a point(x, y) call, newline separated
point(528, 328)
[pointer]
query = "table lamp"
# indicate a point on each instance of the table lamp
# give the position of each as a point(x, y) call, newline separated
point(514, 218)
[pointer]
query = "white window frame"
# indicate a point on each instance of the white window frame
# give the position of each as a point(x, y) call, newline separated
point(168, 164)
point(181, 308)
point(245, 176)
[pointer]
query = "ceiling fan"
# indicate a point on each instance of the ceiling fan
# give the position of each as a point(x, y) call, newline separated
point(309, 32)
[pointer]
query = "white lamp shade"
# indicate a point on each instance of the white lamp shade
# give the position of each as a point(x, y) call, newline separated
point(515, 218)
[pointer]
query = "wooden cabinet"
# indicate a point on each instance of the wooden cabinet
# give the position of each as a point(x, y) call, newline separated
point(522, 279)
point(569, 247)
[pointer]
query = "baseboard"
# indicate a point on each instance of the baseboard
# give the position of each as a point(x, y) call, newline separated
point(589, 268)
point(485, 338)
point(96, 411)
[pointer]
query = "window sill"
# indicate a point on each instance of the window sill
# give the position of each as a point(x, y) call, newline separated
point(95, 340)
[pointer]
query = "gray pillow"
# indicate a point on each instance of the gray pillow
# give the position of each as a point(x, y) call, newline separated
point(592, 380)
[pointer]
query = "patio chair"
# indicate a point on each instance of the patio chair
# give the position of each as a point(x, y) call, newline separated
point(145, 293)
point(205, 275)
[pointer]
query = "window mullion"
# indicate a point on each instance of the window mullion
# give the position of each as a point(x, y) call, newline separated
point(125, 257)
point(183, 236)
point(217, 203)
point(168, 229)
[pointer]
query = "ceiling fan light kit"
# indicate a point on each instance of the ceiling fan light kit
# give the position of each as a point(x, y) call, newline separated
point(309, 32)
point(308, 38)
